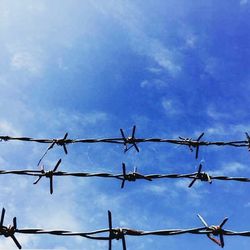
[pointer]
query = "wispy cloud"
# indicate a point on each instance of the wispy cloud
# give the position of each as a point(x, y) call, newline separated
point(217, 129)
point(180, 191)
point(230, 168)
point(157, 83)
point(170, 106)
point(7, 128)
point(135, 23)
point(191, 40)
point(195, 194)
point(160, 189)
point(215, 114)
point(222, 129)
point(61, 120)
point(162, 56)
point(155, 70)
point(27, 62)
point(243, 2)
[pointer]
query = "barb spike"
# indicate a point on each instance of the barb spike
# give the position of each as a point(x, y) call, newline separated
point(131, 176)
point(202, 220)
point(216, 231)
point(200, 176)
point(248, 139)
point(110, 229)
point(197, 146)
point(49, 174)
point(192, 144)
point(59, 142)
point(129, 140)
point(115, 233)
point(2, 217)
point(10, 230)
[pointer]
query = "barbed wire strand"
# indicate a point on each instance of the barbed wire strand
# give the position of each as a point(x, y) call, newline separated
point(119, 233)
point(124, 176)
point(119, 140)
point(130, 142)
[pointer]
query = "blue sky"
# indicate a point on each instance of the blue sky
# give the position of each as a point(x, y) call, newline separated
point(89, 68)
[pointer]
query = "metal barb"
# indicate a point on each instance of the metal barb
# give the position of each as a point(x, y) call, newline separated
point(4, 138)
point(129, 140)
point(132, 176)
point(248, 139)
point(197, 146)
point(187, 141)
point(49, 174)
point(192, 144)
point(59, 142)
point(115, 233)
point(10, 230)
point(216, 231)
point(203, 176)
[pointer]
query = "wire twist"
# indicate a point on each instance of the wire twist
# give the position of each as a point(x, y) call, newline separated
point(119, 233)
point(131, 142)
point(123, 177)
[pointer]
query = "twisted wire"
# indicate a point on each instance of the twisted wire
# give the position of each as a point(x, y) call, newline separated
point(129, 142)
point(119, 233)
point(131, 176)
point(119, 140)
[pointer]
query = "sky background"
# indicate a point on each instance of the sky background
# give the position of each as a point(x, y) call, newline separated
point(89, 68)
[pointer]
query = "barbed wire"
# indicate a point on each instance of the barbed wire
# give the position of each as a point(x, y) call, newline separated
point(214, 233)
point(130, 142)
point(124, 176)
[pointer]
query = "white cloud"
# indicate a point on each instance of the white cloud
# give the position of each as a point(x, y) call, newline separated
point(195, 194)
point(26, 61)
point(229, 168)
point(191, 40)
point(7, 128)
point(72, 121)
point(170, 106)
point(162, 56)
point(215, 114)
point(157, 83)
point(157, 189)
point(235, 167)
point(155, 70)
point(161, 190)
point(240, 128)
point(221, 129)
point(132, 19)
point(244, 2)
point(216, 130)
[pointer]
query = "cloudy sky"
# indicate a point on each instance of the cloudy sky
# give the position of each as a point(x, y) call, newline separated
point(89, 68)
